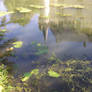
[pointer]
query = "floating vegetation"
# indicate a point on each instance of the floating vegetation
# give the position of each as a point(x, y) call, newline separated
point(53, 74)
point(45, 17)
point(38, 44)
point(77, 6)
point(5, 13)
point(37, 6)
point(63, 15)
point(35, 71)
point(23, 10)
point(3, 30)
point(17, 44)
point(68, 6)
point(55, 5)
point(28, 75)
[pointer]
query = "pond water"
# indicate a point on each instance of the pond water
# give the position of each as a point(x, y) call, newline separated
point(32, 31)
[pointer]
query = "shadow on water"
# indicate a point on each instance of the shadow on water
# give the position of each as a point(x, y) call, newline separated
point(46, 45)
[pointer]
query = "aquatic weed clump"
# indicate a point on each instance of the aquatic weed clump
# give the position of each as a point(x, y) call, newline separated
point(77, 74)
point(10, 84)
point(4, 79)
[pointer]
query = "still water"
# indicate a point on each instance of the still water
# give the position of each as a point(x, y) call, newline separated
point(64, 32)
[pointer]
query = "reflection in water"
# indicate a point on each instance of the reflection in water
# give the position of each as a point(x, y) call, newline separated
point(67, 32)
point(45, 25)
point(47, 7)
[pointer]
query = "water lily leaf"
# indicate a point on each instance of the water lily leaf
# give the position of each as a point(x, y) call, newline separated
point(18, 44)
point(23, 10)
point(26, 76)
point(53, 74)
point(37, 6)
point(29, 74)
point(67, 6)
point(35, 71)
point(63, 15)
point(4, 13)
point(52, 58)
point(45, 17)
point(3, 30)
point(77, 6)
point(55, 5)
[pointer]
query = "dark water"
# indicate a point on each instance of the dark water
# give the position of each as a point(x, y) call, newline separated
point(68, 37)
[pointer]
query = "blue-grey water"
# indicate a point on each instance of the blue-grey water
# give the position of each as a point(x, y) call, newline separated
point(68, 37)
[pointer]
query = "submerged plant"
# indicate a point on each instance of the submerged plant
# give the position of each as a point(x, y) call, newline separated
point(28, 75)
point(40, 49)
point(5, 13)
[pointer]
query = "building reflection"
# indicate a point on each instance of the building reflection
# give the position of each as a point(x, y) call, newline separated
point(65, 28)
point(44, 19)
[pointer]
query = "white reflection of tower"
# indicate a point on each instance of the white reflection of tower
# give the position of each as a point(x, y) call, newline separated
point(46, 14)
point(47, 8)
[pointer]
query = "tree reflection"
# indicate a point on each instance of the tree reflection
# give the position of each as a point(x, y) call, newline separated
point(5, 52)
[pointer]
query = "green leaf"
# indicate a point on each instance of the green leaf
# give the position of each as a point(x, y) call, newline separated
point(26, 76)
point(37, 6)
point(23, 10)
point(38, 44)
point(4, 13)
point(3, 30)
point(18, 44)
point(53, 74)
point(29, 74)
point(35, 71)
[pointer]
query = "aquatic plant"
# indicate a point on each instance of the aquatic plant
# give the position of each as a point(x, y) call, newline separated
point(28, 75)
point(64, 15)
point(5, 86)
point(37, 6)
point(23, 10)
point(17, 44)
point(53, 74)
point(68, 6)
point(5, 13)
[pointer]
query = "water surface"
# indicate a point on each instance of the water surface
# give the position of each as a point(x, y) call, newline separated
point(65, 32)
